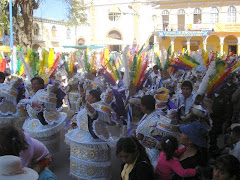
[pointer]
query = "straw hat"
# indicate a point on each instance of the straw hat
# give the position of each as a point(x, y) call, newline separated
point(11, 169)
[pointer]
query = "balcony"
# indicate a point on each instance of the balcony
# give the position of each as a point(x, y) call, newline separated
point(184, 27)
point(55, 39)
point(38, 38)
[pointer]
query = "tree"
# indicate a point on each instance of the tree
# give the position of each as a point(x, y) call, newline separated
point(22, 13)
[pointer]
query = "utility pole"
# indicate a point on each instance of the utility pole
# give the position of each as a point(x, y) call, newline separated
point(11, 33)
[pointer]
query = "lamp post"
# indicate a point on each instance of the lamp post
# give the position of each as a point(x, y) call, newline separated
point(136, 25)
point(11, 34)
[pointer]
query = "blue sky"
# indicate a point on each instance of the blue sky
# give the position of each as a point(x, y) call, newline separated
point(54, 9)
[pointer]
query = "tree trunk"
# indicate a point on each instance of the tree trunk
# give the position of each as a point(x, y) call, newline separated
point(23, 21)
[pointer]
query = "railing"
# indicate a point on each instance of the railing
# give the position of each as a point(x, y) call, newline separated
point(37, 38)
point(55, 39)
point(184, 27)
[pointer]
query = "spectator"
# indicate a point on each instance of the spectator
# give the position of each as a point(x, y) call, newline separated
point(194, 138)
point(227, 167)
point(136, 164)
point(168, 163)
point(33, 153)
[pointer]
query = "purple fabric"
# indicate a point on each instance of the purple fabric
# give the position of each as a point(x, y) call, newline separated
point(130, 132)
point(172, 105)
point(109, 80)
point(179, 67)
point(118, 106)
point(36, 151)
point(60, 96)
point(21, 92)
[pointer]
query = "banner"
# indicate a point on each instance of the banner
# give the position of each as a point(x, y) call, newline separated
point(183, 33)
point(227, 27)
point(200, 27)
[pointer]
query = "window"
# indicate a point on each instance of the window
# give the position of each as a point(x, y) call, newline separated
point(35, 29)
point(114, 14)
point(181, 12)
point(181, 20)
point(165, 20)
point(197, 16)
point(68, 33)
point(232, 14)
point(54, 31)
point(214, 15)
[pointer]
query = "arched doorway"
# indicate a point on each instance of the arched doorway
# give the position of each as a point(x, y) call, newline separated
point(114, 34)
point(213, 43)
point(165, 42)
point(196, 43)
point(230, 44)
point(180, 43)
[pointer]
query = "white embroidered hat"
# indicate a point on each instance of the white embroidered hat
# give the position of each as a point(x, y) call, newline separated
point(11, 169)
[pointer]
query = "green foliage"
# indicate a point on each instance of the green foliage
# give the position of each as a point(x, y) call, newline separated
point(219, 64)
point(158, 62)
point(34, 63)
point(168, 59)
point(133, 66)
point(86, 62)
point(76, 10)
point(191, 59)
point(3, 16)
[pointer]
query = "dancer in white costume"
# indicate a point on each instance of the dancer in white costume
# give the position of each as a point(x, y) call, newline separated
point(45, 121)
point(89, 149)
point(155, 124)
point(147, 126)
point(11, 112)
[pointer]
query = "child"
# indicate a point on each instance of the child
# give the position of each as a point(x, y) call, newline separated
point(168, 164)
point(33, 153)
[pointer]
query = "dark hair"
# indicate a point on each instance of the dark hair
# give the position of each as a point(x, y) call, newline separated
point(187, 84)
point(206, 172)
point(2, 76)
point(169, 145)
point(155, 67)
point(236, 131)
point(131, 145)
point(149, 102)
point(96, 94)
point(81, 85)
point(39, 79)
point(12, 141)
point(230, 164)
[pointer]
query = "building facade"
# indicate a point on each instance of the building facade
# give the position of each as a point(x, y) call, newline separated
point(199, 24)
point(49, 33)
point(191, 24)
